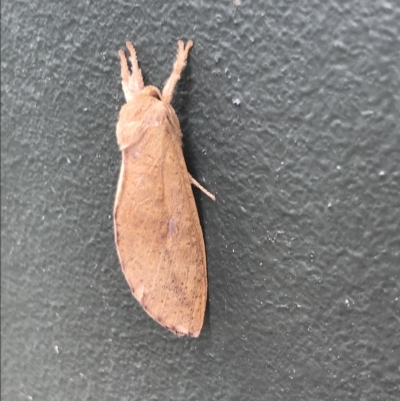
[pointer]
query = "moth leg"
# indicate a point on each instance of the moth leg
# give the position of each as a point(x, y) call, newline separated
point(132, 82)
point(179, 65)
point(196, 184)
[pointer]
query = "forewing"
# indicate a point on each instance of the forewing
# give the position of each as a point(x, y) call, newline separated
point(158, 233)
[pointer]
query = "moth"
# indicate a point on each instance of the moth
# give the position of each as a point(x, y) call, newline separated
point(158, 235)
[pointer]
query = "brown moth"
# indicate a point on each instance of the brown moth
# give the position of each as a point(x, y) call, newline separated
point(157, 229)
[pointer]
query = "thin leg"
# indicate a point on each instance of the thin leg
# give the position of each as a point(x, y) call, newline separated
point(131, 82)
point(196, 184)
point(124, 75)
point(179, 65)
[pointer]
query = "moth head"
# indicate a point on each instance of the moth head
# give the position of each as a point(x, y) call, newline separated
point(151, 91)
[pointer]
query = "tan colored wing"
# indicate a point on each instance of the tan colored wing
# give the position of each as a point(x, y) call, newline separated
point(157, 230)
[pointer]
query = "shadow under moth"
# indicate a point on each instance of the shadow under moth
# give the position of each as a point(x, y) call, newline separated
point(158, 235)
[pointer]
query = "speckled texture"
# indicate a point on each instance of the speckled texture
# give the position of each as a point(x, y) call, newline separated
point(290, 115)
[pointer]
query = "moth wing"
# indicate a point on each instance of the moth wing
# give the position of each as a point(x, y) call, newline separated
point(158, 233)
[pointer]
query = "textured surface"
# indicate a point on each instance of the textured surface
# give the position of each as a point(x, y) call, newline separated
point(290, 115)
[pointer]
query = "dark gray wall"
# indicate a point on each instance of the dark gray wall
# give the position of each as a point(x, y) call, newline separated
point(303, 242)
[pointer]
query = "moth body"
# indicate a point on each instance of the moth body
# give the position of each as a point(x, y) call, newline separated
point(157, 229)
